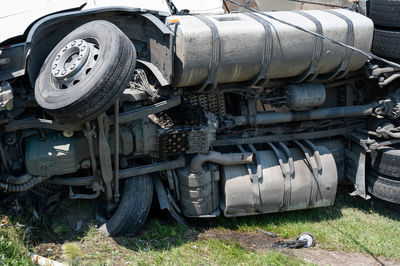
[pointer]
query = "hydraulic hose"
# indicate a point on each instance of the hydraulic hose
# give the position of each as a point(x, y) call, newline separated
point(33, 181)
point(16, 180)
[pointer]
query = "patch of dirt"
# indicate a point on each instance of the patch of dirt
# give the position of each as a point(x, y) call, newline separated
point(254, 241)
point(257, 241)
point(339, 258)
point(69, 213)
point(49, 250)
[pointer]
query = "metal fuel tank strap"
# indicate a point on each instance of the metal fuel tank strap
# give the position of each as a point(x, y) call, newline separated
point(342, 69)
point(312, 72)
point(255, 178)
point(315, 173)
point(262, 77)
point(286, 170)
point(215, 54)
point(288, 181)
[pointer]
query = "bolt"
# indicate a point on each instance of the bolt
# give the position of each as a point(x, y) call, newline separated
point(64, 72)
point(54, 66)
point(73, 43)
point(64, 49)
point(83, 48)
point(80, 43)
point(80, 57)
point(57, 57)
point(73, 66)
point(57, 71)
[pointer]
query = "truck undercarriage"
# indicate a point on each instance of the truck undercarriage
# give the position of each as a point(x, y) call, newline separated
point(235, 113)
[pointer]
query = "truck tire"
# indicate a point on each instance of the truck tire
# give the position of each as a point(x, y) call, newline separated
point(86, 72)
point(133, 208)
point(386, 162)
point(385, 13)
point(383, 187)
point(386, 43)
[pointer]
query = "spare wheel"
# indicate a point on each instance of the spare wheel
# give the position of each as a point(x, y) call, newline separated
point(86, 72)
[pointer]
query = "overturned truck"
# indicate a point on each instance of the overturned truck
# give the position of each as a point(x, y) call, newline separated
point(214, 112)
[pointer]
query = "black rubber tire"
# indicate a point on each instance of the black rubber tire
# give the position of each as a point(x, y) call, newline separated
point(386, 43)
point(385, 13)
point(101, 87)
point(133, 208)
point(383, 187)
point(386, 162)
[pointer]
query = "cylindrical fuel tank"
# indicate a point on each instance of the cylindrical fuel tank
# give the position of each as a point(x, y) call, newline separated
point(274, 191)
point(233, 46)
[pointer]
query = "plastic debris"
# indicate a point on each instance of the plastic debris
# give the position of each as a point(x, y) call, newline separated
point(42, 261)
point(305, 240)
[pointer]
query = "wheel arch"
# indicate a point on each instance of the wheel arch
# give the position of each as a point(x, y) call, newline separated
point(152, 39)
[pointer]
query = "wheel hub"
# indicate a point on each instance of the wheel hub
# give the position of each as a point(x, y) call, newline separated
point(70, 59)
point(74, 62)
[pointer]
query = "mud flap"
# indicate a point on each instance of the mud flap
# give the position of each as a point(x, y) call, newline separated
point(355, 171)
point(167, 202)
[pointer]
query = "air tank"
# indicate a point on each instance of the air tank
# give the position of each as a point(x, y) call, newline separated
point(236, 47)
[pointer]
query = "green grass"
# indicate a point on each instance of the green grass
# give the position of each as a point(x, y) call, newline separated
point(352, 224)
point(12, 246)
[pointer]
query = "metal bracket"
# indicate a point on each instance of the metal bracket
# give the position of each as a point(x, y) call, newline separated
point(287, 170)
point(358, 157)
point(315, 166)
point(360, 186)
point(167, 202)
point(255, 178)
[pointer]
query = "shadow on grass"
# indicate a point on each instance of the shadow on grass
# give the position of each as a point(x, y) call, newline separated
point(53, 225)
point(161, 233)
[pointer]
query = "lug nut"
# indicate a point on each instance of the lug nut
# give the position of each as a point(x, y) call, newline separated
point(57, 57)
point(65, 49)
point(80, 57)
point(73, 66)
point(83, 48)
point(80, 43)
point(57, 71)
point(54, 66)
point(64, 72)
point(73, 43)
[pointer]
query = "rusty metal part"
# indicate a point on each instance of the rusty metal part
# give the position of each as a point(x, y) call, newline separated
point(124, 118)
point(345, 131)
point(105, 156)
point(151, 168)
point(89, 132)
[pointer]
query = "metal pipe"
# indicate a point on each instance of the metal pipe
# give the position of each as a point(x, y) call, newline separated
point(74, 196)
point(220, 158)
point(270, 118)
point(73, 181)
point(116, 153)
point(151, 168)
point(389, 80)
